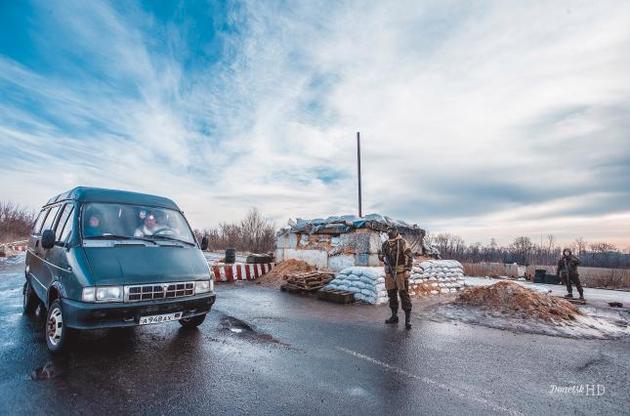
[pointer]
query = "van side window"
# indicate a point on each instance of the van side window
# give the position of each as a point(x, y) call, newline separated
point(37, 228)
point(68, 228)
point(50, 219)
point(63, 218)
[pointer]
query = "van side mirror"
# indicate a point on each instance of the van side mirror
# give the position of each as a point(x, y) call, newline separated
point(204, 243)
point(48, 239)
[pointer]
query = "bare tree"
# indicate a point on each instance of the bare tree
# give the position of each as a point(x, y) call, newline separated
point(522, 247)
point(603, 247)
point(580, 245)
point(15, 222)
point(254, 233)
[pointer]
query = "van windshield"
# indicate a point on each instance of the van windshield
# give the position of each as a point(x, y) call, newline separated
point(104, 220)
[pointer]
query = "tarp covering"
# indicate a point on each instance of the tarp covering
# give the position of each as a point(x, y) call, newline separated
point(346, 223)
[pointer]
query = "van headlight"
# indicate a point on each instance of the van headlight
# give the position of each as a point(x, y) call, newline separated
point(204, 286)
point(103, 294)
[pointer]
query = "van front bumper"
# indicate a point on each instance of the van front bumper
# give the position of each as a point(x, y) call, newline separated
point(84, 315)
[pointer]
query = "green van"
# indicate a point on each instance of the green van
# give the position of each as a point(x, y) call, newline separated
point(101, 258)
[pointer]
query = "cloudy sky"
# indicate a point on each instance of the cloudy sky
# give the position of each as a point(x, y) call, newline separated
point(485, 119)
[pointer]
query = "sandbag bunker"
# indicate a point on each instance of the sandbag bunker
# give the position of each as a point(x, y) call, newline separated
point(338, 242)
point(429, 277)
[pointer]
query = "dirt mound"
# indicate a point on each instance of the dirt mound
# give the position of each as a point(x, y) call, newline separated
point(514, 299)
point(281, 272)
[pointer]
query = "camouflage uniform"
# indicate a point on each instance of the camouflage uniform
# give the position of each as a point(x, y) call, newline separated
point(400, 285)
point(568, 270)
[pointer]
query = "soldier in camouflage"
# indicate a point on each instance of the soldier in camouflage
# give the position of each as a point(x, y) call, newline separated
point(568, 271)
point(396, 255)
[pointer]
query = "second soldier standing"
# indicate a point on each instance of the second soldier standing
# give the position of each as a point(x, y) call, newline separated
point(396, 255)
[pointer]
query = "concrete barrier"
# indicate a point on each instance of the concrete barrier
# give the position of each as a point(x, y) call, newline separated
point(239, 271)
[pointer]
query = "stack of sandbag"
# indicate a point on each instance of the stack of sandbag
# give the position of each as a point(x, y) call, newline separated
point(367, 284)
point(433, 277)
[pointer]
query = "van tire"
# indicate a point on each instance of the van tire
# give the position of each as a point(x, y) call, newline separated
point(30, 300)
point(55, 332)
point(193, 322)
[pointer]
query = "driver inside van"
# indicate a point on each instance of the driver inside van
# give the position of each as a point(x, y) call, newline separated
point(94, 225)
point(149, 227)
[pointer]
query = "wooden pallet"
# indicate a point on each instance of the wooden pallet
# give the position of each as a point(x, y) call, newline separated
point(336, 296)
point(287, 287)
point(307, 282)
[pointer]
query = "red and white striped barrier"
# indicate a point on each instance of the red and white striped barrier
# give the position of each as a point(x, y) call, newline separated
point(239, 271)
point(17, 245)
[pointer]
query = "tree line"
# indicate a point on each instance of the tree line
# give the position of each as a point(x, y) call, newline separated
point(254, 234)
point(524, 251)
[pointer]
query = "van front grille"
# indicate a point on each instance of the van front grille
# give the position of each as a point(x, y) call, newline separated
point(138, 293)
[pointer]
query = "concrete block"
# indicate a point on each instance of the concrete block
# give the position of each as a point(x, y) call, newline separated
point(286, 241)
point(359, 242)
point(317, 258)
point(375, 242)
point(373, 261)
point(338, 263)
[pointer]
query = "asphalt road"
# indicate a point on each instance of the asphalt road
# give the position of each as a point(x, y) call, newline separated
point(265, 352)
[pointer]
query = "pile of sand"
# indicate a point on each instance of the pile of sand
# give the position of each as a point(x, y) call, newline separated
point(281, 272)
point(513, 299)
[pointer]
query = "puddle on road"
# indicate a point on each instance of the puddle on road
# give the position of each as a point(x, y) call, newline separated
point(245, 330)
point(50, 370)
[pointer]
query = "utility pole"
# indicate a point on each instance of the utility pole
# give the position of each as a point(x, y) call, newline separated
point(359, 170)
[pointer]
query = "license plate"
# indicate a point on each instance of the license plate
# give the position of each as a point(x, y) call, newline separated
point(157, 319)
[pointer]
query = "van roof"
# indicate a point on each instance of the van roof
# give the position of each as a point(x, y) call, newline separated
point(87, 194)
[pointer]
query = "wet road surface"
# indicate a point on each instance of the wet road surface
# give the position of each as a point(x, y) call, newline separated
point(265, 352)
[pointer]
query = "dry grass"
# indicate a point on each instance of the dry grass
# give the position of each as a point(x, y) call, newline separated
point(595, 276)
point(490, 269)
point(515, 300)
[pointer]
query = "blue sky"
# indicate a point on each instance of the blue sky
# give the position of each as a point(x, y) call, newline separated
point(484, 119)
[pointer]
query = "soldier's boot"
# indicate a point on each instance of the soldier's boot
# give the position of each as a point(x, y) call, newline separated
point(394, 318)
point(569, 296)
point(408, 319)
point(580, 290)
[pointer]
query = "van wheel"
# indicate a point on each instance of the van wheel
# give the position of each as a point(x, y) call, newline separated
point(193, 322)
point(29, 299)
point(55, 331)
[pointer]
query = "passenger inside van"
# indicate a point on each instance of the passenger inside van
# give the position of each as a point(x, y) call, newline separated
point(149, 227)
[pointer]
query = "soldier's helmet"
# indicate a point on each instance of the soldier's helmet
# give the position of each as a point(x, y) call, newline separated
point(566, 252)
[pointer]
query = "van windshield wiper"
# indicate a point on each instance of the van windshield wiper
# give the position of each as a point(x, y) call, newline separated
point(165, 237)
point(118, 237)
